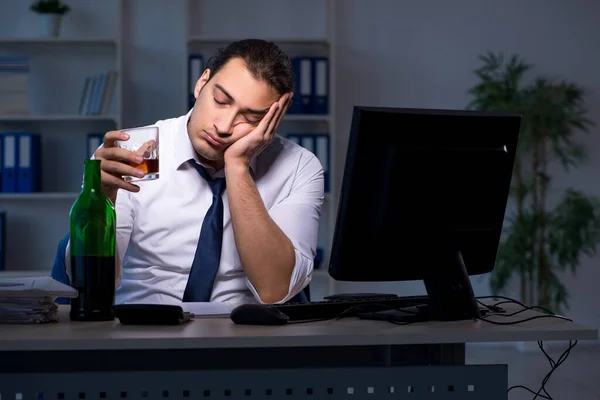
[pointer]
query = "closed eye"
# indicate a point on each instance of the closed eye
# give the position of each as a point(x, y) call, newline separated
point(221, 103)
point(253, 122)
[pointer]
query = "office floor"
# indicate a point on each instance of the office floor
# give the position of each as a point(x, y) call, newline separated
point(576, 378)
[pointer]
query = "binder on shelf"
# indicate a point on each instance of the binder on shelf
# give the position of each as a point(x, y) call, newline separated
point(85, 96)
point(9, 162)
point(29, 170)
point(99, 89)
point(318, 144)
point(319, 256)
point(322, 151)
point(302, 100)
point(294, 137)
point(97, 96)
point(2, 240)
point(308, 142)
point(320, 89)
point(94, 140)
point(106, 101)
point(14, 82)
point(195, 69)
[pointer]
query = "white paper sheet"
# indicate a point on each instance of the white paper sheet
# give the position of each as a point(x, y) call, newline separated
point(39, 286)
point(208, 309)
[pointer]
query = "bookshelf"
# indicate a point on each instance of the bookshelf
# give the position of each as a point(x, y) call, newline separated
point(59, 118)
point(213, 24)
point(90, 44)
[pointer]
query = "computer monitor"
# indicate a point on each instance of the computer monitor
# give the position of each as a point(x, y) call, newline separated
point(423, 197)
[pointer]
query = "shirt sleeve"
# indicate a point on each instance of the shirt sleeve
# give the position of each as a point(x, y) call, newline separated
point(125, 217)
point(298, 217)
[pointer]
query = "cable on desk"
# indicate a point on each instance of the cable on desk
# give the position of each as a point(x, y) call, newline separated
point(508, 300)
point(553, 364)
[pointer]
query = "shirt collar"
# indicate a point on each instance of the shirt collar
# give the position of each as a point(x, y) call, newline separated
point(184, 151)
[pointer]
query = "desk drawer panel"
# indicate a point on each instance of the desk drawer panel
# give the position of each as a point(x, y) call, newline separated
point(485, 382)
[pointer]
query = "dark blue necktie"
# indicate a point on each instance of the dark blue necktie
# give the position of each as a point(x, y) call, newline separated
point(208, 253)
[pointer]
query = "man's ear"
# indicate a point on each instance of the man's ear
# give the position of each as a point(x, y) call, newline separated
point(201, 82)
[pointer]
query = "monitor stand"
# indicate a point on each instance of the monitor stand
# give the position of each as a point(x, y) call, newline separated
point(449, 294)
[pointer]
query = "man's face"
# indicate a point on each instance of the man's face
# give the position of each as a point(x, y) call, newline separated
point(227, 108)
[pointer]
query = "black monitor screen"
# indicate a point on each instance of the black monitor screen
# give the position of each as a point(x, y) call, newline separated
point(419, 184)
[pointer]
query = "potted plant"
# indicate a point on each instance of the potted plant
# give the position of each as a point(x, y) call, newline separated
point(547, 230)
point(52, 12)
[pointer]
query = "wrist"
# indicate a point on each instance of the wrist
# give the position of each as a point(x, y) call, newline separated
point(236, 166)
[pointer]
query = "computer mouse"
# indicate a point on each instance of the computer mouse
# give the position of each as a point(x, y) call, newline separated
point(257, 314)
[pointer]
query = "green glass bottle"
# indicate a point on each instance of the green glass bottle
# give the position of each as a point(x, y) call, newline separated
point(93, 245)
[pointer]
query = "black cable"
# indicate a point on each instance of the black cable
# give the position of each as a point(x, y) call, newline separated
point(494, 309)
point(553, 364)
point(523, 320)
point(561, 359)
point(529, 390)
point(509, 300)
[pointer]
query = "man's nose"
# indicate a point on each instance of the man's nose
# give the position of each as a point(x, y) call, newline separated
point(223, 123)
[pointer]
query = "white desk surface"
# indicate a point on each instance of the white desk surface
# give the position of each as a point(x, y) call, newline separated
point(222, 333)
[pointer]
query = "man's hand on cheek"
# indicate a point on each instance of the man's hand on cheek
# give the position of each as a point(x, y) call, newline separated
point(242, 151)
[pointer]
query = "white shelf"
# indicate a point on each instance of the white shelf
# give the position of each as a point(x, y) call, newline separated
point(59, 68)
point(24, 273)
point(279, 40)
point(39, 196)
point(306, 118)
point(60, 40)
point(57, 118)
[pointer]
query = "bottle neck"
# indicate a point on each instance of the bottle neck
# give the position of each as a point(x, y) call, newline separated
point(91, 175)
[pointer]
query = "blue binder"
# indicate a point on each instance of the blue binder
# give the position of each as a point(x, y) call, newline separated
point(2, 240)
point(302, 100)
point(9, 162)
point(320, 87)
point(322, 151)
point(296, 106)
point(319, 145)
point(29, 166)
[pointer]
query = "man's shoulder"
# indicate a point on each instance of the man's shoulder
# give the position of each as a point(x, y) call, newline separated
point(288, 146)
point(284, 148)
point(285, 154)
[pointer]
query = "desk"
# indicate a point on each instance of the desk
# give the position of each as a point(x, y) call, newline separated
point(216, 359)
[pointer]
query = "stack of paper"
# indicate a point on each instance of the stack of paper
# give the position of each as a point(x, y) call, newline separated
point(31, 300)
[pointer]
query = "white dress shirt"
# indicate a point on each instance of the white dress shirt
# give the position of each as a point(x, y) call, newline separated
point(158, 227)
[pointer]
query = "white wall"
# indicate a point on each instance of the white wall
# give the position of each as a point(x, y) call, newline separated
point(154, 59)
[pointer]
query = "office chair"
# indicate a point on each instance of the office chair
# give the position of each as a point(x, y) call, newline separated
point(59, 273)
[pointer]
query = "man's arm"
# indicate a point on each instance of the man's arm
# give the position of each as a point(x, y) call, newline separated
point(276, 248)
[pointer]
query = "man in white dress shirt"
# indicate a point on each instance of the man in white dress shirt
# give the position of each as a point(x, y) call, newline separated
point(272, 201)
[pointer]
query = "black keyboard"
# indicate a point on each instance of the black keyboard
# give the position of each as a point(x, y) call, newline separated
point(346, 306)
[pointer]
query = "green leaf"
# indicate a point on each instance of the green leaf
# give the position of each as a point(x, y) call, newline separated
point(536, 243)
point(574, 229)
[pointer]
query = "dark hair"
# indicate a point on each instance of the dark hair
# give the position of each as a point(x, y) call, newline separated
point(265, 60)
